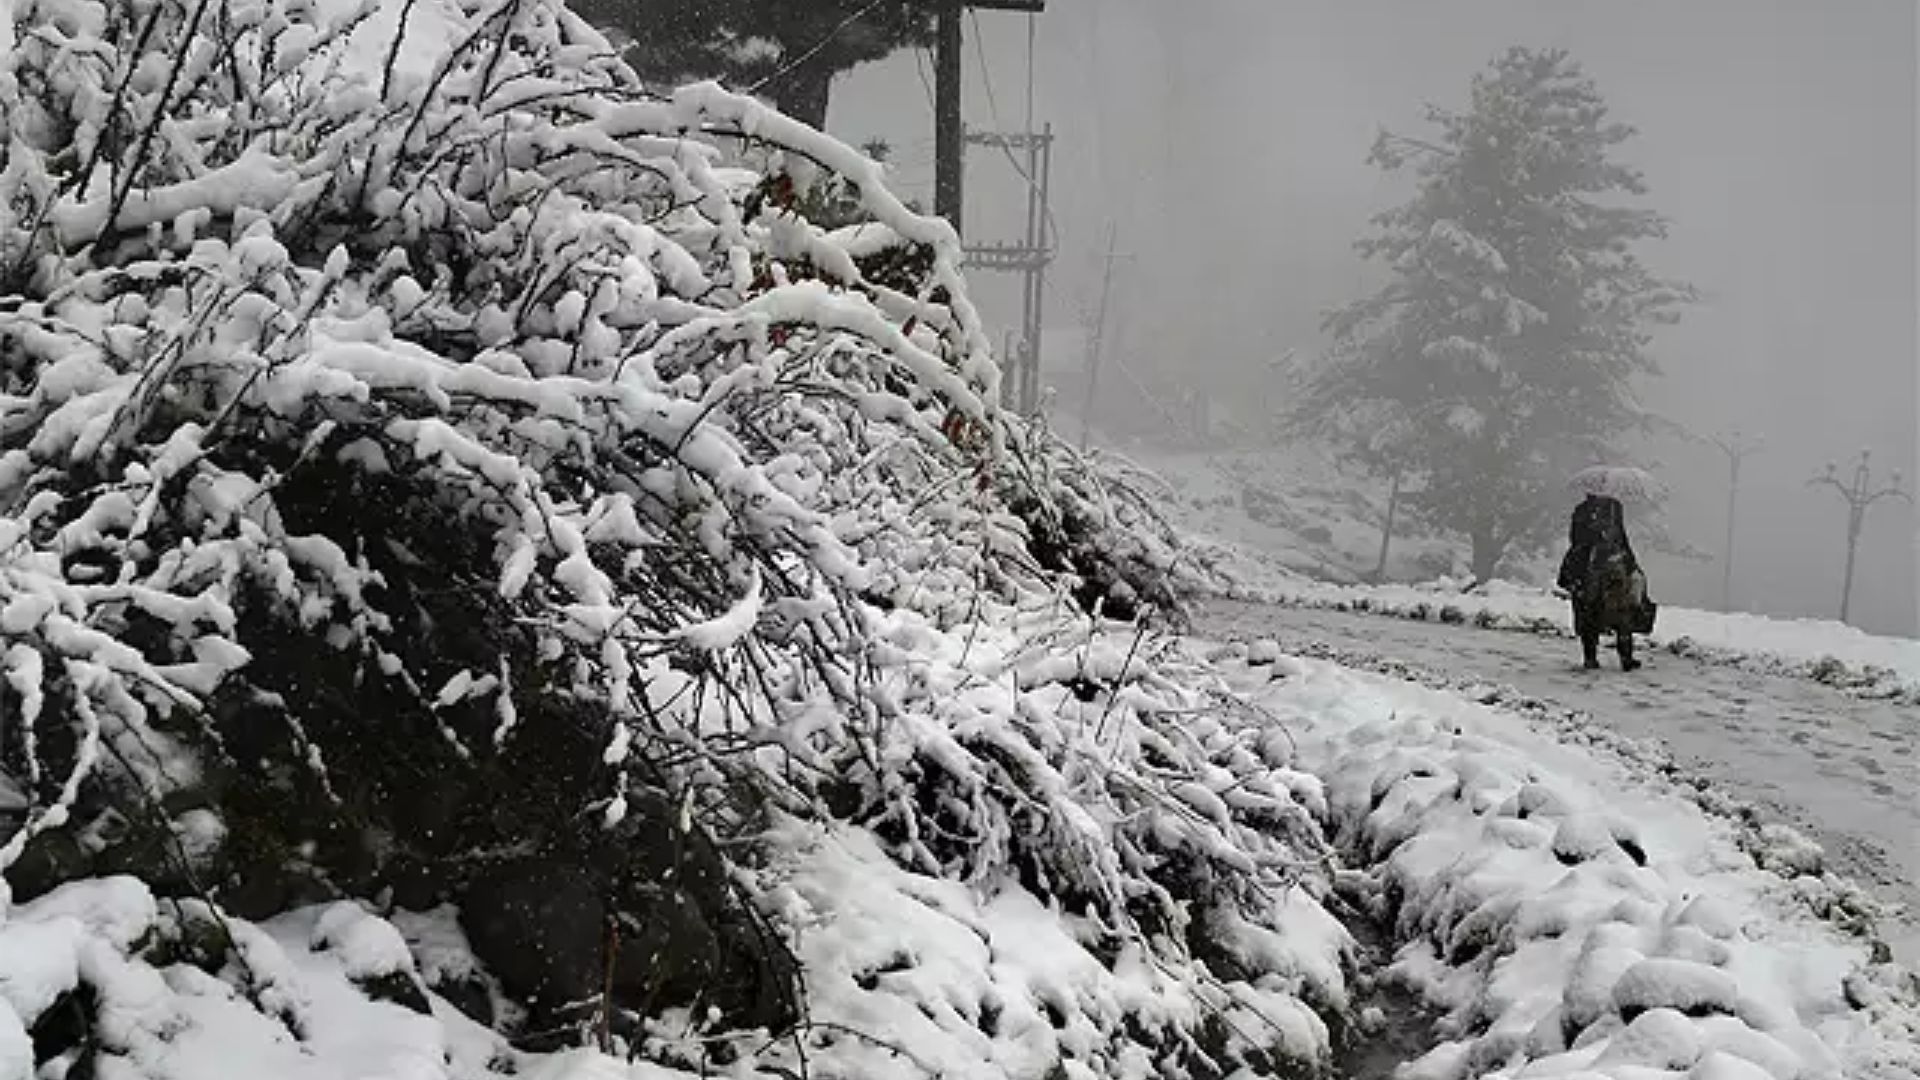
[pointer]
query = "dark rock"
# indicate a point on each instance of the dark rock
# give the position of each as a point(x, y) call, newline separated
point(537, 924)
point(398, 987)
point(65, 1030)
point(471, 994)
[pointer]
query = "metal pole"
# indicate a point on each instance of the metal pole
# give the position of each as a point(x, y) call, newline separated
point(1737, 450)
point(949, 129)
point(1860, 495)
point(1853, 545)
point(1099, 331)
point(1726, 556)
point(1028, 273)
point(1037, 270)
point(1033, 25)
point(1856, 515)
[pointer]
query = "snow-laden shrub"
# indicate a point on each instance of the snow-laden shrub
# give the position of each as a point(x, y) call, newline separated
point(282, 345)
point(432, 468)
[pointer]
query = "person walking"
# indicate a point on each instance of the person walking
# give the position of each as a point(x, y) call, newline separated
point(1603, 580)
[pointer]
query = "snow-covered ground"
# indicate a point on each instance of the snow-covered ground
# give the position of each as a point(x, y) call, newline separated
point(1292, 527)
point(1834, 653)
point(1571, 914)
point(1053, 853)
point(1297, 508)
point(1842, 768)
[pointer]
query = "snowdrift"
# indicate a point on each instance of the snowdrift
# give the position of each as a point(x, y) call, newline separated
point(1571, 917)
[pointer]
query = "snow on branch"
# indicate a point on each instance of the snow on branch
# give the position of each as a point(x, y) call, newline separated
point(244, 256)
point(465, 396)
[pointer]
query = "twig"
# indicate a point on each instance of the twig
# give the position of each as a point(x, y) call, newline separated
point(1119, 683)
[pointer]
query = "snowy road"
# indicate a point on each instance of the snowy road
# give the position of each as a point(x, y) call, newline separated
point(1843, 770)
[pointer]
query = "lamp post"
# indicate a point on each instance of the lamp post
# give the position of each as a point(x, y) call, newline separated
point(1861, 495)
point(1737, 448)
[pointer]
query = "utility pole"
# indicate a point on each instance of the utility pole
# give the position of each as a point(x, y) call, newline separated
point(1737, 449)
point(949, 127)
point(1098, 338)
point(948, 123)
point(1028, 257)
point(1860, 495)
point(1033, 252)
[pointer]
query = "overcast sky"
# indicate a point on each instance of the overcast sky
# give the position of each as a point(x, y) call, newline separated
point(1227, 141)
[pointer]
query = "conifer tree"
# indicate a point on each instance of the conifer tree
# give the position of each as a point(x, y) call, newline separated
point(1518, 315)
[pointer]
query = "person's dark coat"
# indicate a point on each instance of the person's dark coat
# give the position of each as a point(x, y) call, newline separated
point(1602, 577)
point(1597, 538)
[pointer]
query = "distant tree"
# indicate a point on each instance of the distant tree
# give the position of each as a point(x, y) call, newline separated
point(1502, 353)
point(1333, 407)
point(788, 51)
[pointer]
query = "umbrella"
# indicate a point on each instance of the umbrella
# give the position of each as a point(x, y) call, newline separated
point(1616, 482)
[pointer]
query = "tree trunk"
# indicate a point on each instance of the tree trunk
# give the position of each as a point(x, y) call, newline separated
point(1386, 529)
point(1486, 556)
point(802, 93)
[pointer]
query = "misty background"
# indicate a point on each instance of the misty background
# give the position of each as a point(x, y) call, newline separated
point(1225, 141)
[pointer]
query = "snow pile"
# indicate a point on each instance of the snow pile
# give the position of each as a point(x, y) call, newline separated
point(1091, 863)
point(173, 989)
point(442, 477)
point(1569, 920)
point(1773, 844)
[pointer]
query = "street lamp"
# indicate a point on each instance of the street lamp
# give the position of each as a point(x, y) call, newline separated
point(1737, 448)
point(1860, 495)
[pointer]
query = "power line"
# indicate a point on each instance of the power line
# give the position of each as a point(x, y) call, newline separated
point(920, 65)
point(818, 46)
point(993, 110)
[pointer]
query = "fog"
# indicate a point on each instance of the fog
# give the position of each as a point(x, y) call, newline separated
point(1226, 141)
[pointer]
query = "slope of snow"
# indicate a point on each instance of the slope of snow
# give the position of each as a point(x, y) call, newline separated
point(1298, 510)
point(1571, 917)
point(1787, 759)
point(964, 983)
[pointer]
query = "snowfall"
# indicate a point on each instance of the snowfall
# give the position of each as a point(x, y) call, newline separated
point(1466, 853)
